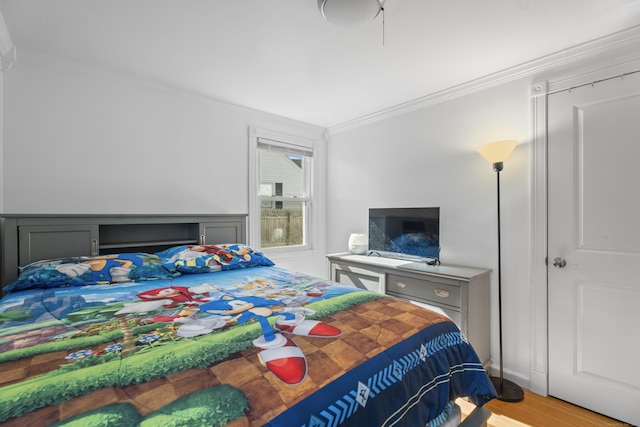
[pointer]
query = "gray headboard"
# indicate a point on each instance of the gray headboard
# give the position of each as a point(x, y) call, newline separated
point(28, 238)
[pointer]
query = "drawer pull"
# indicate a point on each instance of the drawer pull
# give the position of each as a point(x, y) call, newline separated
point(401, 285)
point(442, 293)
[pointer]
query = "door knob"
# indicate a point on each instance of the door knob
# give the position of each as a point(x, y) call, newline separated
point(559, 262)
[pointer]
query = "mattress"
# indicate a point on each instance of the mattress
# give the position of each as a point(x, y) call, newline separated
point(258, 346)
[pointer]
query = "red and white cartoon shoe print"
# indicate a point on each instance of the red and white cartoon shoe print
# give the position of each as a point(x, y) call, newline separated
point(310, 328)
point(284, 358)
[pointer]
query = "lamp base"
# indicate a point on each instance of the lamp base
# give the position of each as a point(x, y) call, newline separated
point(509, 392)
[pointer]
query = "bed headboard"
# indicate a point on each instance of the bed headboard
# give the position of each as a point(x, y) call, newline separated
point(28, 238)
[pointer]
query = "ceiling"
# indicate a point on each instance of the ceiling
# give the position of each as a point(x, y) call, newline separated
point(281, 57)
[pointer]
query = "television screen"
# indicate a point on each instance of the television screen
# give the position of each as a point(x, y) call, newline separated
point(411, 232)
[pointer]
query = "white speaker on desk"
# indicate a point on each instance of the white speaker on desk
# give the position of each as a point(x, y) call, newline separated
point(358, 243)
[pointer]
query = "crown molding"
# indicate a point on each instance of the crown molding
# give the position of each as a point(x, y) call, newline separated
point(614, 42)
point(8, 59)
point(7, 49)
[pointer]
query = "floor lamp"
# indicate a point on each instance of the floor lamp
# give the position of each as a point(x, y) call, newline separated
point(496, 153)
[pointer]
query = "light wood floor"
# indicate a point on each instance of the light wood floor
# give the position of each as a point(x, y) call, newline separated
point(539, 411)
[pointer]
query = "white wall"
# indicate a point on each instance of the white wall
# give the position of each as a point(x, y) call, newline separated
point(83, 141)
point(89, 142)
point(428, 158)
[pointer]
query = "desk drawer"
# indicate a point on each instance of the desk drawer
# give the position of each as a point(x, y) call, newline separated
point(423, 290)
point(362, 281)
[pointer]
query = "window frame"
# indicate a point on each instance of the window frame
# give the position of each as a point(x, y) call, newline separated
point(297, 144)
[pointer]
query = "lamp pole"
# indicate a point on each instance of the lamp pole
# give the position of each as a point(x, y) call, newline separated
point(497, 167)
point(507, 391)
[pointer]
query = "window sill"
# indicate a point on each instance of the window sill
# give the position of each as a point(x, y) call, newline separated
point(285, 254)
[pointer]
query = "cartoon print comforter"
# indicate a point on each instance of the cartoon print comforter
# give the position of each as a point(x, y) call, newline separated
point(250, 347)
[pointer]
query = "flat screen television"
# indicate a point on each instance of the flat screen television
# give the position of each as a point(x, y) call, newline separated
point(412, 233)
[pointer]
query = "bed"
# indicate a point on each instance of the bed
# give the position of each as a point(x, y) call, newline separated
point(217, 335)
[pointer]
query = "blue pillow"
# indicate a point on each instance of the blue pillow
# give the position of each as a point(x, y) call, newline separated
point(93, 270)
point(210, 258)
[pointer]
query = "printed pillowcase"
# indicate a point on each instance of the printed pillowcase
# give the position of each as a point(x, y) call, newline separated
point(209, 258)
point(95, 270)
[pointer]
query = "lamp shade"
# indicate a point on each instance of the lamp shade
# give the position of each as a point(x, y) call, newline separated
point(349, 13)
point(498, 151)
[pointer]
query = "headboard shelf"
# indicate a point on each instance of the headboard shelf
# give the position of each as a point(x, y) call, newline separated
point(28, 238)
point(114, 237)
point(132, 245)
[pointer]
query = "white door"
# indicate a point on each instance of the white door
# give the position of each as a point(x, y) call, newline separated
point(594, 225)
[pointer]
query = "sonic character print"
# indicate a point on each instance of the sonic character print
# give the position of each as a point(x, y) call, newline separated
point(278, 353)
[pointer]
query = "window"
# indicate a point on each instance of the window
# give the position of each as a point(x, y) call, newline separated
point(280, 205)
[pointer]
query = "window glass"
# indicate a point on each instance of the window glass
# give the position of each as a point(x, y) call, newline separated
point(284, 193)
point(282, 226)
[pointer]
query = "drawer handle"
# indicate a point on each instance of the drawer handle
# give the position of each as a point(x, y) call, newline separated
point(442, 293)
point(94, 247)
point(401, 285)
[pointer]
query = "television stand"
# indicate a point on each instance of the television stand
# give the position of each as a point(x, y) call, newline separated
point(460, 292)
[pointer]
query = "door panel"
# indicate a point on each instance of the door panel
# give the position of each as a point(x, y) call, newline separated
point(594, 224)
point(594, 333)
